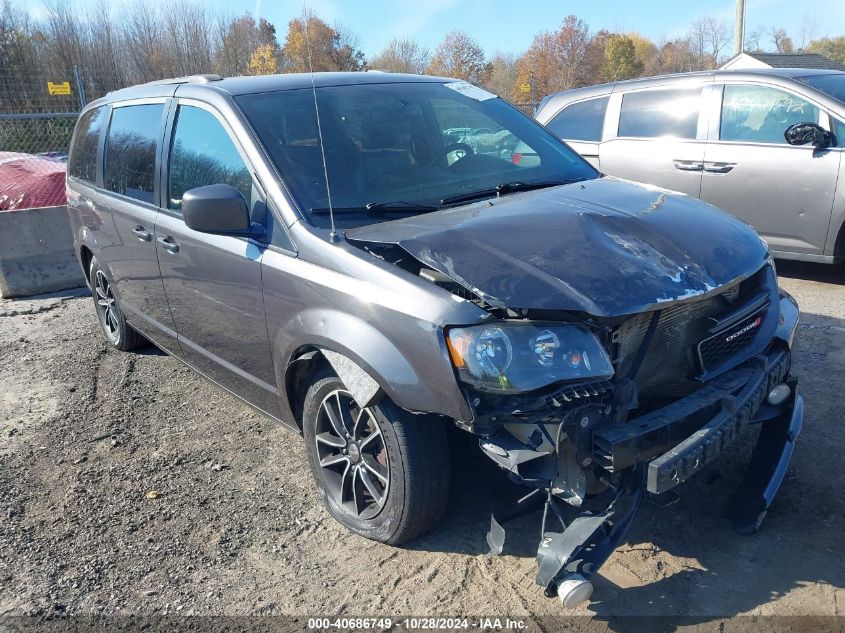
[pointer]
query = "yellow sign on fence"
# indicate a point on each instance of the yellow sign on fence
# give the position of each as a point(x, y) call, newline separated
point(59, 89)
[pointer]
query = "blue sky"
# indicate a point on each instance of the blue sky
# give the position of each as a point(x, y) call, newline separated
point(509, 25)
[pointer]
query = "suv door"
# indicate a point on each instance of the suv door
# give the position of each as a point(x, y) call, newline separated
point(213, 282)
point(580, 124)
point(657, 136)
point(784, 191)
point(128, 208)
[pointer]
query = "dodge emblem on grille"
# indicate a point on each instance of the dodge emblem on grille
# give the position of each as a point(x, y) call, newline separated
point(744, 329)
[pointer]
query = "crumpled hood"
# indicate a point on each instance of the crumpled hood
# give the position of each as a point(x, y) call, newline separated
point(605, 247)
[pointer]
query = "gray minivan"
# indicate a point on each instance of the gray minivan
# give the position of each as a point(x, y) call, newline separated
point(359, 256)
point(720, 136)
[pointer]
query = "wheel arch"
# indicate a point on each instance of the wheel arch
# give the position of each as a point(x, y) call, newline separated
point(359, 352)
point(85, 257)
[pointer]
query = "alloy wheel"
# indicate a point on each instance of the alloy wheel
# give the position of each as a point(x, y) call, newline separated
point(107, 307)
point(353, 455)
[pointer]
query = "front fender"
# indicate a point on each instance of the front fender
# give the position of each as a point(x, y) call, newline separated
point(418, 377)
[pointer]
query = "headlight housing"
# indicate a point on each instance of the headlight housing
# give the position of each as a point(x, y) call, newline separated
point(511, 357)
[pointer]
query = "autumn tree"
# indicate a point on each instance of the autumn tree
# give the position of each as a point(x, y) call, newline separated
point(620, 59)
point(329, 49)
point(263, 61)
point(832, 47)
point(555, 60)
point(402, 55)
point(460, 56)
point(502, 79)
point(646, 53)
point(239, 38)
point(594, 57)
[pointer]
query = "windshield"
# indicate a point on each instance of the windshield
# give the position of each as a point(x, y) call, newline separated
point(401, 148)
point(833, 85)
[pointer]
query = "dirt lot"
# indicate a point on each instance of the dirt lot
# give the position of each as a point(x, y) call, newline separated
point(87, 433)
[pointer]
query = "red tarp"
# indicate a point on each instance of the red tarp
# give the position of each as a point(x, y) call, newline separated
point(28, 181)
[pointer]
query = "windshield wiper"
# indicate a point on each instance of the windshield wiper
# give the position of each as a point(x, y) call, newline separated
point(503, 188)
point(380, 208)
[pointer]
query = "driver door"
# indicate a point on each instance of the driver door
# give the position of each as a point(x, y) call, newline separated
point(783, 191)
point(213, 282)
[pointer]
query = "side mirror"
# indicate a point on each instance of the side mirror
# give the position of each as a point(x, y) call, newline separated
point(216, 209)
point(807, 134)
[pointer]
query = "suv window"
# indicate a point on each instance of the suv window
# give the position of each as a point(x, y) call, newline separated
point(131, 150)
point(759, 114)
point(660, 113)
point(582, 121)
point(83, 154)
point(202, 153)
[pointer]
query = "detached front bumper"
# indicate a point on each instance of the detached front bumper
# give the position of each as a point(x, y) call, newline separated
point(674, 437)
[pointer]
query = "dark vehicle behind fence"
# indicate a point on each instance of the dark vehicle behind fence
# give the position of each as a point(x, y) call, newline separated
point(377, 268)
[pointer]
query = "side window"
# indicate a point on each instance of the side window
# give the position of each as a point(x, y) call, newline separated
point(838, 128)
point(660, 113)
point(201, 153)
point(82, 163)
point(582, 121)
point(759, 114)
point(131, 150)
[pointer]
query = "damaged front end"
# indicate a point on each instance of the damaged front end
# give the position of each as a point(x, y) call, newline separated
point(683, 381)
point(620, 354)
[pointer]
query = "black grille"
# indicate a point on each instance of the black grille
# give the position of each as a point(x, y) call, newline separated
point(668, 366)
point(713, 351)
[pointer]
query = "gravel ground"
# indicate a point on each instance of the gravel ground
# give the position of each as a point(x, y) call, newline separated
point(130, 485)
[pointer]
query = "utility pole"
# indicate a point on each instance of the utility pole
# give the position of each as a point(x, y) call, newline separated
point(739, 27)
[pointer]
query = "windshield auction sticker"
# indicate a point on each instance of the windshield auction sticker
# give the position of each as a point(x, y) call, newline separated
point(473, 92)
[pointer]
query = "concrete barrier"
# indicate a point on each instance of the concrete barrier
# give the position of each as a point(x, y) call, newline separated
point(36, 252)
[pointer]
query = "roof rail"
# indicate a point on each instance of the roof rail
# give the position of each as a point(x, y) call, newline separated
point(190, 79)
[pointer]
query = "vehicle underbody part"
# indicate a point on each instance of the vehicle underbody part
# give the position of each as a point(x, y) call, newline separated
point(590, 471)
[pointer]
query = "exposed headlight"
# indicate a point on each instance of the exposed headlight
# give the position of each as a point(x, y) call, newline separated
point(513, 357)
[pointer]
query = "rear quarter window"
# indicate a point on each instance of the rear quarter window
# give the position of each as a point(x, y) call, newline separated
point(660, 113)
point(131, 148)
point(582, 121)
point(82, 163)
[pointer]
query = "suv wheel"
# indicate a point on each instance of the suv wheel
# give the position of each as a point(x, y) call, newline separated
point(118, 332)
point(380, 471)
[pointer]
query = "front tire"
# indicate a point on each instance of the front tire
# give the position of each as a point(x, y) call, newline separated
point(380, 471)
point(118, 332)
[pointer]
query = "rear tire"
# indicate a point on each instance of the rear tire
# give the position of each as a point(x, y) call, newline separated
point(118, 332)
point(385, 477)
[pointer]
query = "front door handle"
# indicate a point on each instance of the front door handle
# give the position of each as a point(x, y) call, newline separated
point(169, 244)
point(718, 168)
point(142, 234)
point(689, 165)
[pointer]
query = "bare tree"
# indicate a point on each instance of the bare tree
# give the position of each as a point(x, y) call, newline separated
point(190, 37)
point(709, 38)
point(809, 29)
point(402, 55)
point(783, 43)
point(754, 38)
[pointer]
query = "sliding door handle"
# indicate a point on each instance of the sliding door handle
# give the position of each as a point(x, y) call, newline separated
point(689, 165)
point(142, 234)
point(718, 168)
point(169, 244)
